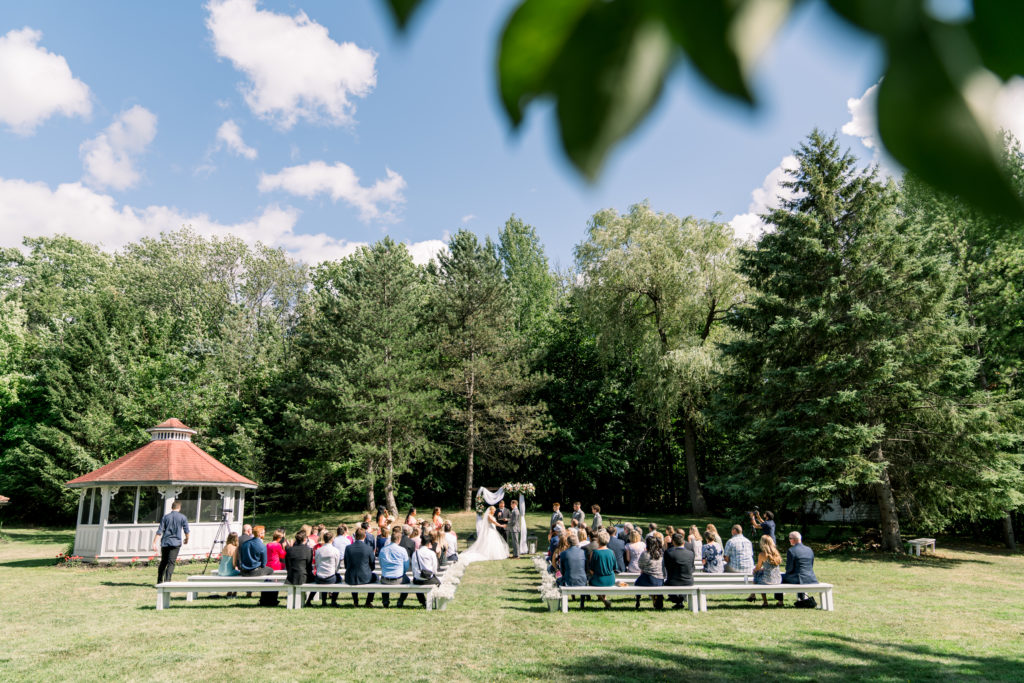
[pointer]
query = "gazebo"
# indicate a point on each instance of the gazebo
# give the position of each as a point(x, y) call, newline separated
point(121, 503)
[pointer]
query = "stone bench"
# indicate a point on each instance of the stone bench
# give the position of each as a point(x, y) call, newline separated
point(823, 590)
point(191, 588)
point(375, 588)
point(689, 592)
point(915, 545)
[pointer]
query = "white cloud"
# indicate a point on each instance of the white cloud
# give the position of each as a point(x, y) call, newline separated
point(468, 217)
point(230, 135)
point(863, 121)
point(36, 84)
point(749, 225)
point(76, 210)
point(295, 70)
point(109, 157)
point(423, 252)
point(340, 182)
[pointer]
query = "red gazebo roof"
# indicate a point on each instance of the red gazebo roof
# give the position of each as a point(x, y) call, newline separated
point(165, 460)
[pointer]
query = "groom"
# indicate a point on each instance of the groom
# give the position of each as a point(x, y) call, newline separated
point(513, 528)
point(501, 517)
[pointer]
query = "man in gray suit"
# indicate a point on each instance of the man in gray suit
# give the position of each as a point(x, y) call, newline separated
point(799, 566)
point(513, 527)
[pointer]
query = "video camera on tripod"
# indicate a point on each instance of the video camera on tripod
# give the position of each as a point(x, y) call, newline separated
point(221, 536)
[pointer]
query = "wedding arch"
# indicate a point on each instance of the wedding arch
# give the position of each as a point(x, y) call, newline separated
point(485, 497)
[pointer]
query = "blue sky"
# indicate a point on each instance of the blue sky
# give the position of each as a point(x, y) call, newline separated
point(110, 114)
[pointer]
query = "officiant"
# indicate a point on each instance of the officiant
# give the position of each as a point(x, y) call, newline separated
point(501, 516)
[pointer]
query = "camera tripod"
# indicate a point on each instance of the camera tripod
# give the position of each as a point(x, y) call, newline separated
point(220, 537)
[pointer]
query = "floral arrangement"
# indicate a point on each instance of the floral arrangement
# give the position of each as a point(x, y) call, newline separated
point(520, 489)
point(480, 506)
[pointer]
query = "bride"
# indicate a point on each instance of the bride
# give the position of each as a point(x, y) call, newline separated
point(489, 544)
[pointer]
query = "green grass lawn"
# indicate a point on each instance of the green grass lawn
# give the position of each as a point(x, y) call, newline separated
point(895, 619)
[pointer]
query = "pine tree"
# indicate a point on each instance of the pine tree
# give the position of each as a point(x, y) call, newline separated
point(854, 371)
point(485, 377)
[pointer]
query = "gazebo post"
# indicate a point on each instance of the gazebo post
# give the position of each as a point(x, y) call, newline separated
point(104, 509)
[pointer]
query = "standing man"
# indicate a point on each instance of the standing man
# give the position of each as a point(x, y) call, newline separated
point(799, 569)
point(501, 516)
point(252, 555)
point(513, 528)
point(597, 521)
point(556, 514)
point(168, 539)
point(765, 524)
point(578, 514)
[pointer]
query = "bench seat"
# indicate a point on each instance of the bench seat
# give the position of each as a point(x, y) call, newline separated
point(690, 592)
point(376, 588)
point(699, 578)
point(191, 588)
point(824, 590)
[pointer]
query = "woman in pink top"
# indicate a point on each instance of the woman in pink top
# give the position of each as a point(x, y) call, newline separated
point(275, 552)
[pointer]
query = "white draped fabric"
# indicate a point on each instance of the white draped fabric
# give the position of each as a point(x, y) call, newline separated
point(492, 499)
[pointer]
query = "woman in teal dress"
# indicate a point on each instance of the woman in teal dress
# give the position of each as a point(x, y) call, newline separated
point(227, 556)
point(602, 566)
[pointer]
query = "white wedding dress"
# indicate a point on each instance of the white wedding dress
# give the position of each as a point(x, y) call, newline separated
point(489, 544)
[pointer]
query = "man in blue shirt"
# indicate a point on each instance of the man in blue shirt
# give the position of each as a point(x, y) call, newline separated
point(766, 524)
point(168, 539)
point(252, 555)
point(394, 563)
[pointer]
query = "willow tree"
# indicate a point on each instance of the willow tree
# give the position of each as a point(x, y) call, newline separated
point(656, 287)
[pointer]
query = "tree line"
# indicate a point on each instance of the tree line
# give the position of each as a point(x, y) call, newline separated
point(869, 345)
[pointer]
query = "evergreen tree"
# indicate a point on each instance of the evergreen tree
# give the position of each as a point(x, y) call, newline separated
point(485, 378)
point(369, 375)
point(854, 371)
point(531, 284)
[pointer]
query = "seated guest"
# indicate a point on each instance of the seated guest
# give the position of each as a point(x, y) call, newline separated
point(799, 567)
point(618, 548)
point(275, 552)
point(310, 540)
point(651, 528)
point(394, 563)
point(711, 554)
point(652, 570)
point(327, 559)
point(602, 567)
point(635, 549)
point(582, 537)
point(246, 534)
point(555, 539)
point(407, 542)
point(739, 553)
point(766, 571)
point(572, 562)
point(359, 565)
point(252, 555)
point(693, 542)
point(424, 566)
point(624, 532)
point(342, 540)
point(678, 568)
point(714, 533)
point(563, 544)
point(383, 538)
point(298, 560)
point(452, 541)
point(228, 557)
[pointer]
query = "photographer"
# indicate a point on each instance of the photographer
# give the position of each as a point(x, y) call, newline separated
point(766, 524)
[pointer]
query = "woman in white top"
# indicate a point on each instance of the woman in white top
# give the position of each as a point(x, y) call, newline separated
point(453, 542)
point(694, 543)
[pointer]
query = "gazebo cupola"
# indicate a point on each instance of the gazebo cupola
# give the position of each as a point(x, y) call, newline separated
point(121, 503)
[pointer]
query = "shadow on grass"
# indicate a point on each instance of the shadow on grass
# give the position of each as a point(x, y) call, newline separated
point(130, 584)
point(821, 656)
point(37, 562)
point(905, 561)
point(40, 536)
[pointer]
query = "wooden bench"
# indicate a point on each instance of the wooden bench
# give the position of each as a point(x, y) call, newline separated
point(915, 545)
point(689, 592)
point(375, 588)
point(191, 588)
point(824, 591)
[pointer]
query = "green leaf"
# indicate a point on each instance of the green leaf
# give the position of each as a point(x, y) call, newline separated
point(928, 124)
point(723, 40)
point(611, 73)
point(533, 40)
point(996, 31)
point(402, 11)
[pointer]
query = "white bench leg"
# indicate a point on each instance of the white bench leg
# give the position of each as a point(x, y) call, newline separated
point(297, 600)
point(565, 604)
point(159, 599)
point(189, 597)
point(430, 602)
point(702, 599)
point(831, 604)
point(694, 601)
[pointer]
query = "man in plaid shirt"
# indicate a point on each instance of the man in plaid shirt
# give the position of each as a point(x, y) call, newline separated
point(739, 553)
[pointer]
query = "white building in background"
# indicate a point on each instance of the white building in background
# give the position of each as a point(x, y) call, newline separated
point(121, 503)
